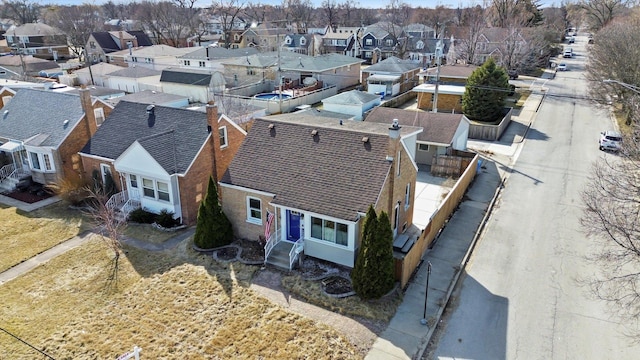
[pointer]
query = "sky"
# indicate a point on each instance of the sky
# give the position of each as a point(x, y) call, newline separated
point(380, 4)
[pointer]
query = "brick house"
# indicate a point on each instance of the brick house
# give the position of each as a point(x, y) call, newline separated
point(318, 176)
point(99, 44)
point(161, 157)
point(442, 132)
point(42, 131)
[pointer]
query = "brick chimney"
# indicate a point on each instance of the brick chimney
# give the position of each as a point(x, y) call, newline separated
point(212, 127)
point(121, 38)
point(392, 156)
point(87, 107)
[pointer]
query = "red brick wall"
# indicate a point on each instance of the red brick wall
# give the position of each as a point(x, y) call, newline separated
point(225, 155)
point(193, 186)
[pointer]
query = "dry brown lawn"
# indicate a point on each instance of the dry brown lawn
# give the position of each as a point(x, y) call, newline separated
point(148, 233)
point(24, 235)
point(173, 305)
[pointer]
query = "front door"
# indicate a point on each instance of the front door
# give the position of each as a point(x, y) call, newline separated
point(293, 225)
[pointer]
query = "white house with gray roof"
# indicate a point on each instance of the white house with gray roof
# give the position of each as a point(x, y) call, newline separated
point(211, 58)
point(197, 85)
point(132, 79)
point(354, 103)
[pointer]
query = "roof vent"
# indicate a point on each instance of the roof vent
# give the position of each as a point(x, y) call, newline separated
point(271, 126)
point(314, 132)
point(365, 139)
point(5, 113)
point(65, 123)
point(150, 109)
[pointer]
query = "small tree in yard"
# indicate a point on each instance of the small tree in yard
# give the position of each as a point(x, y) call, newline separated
point(213, 228)
point(484, 94)
point(372, 275)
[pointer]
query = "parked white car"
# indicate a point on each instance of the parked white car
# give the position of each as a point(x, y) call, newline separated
point(610, 140)
point(562, 67)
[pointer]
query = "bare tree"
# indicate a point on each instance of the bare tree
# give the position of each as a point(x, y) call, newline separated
point(473, 21)
point(170, 22)
point(614, 56)
point(229, 12)
point(330, 12)
point(522, 12)
point(611, 219)
point(109, 223)
point(21, 11)
point(77, 22)
point(348, 14)
point(599, 13)
point(300, 12)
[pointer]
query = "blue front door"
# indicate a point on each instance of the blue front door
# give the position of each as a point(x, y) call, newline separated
point(293, 225)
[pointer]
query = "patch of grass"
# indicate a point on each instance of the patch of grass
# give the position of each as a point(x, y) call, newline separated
point(173, 305)
point(23, 236)
point(150, 234)
point(382, 309)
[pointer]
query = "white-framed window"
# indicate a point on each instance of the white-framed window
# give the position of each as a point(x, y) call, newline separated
point(187, 63)
point(368, 42)
point(148, 60)
point(154, 189)
point(41, 162)
point(163, 191)
point(389, 42)
point(423, 147)
point(288, 41)
point(303, 41)
point(99, 115)
point(35, 161)
point(47, 162)
point(398, 163)
point(133, 181)
point(251, 71)
point(201, 64)
point(330, 231)
point(148, 188)
point(24, 39)
point(134, 59)
point(407, 196)
point(254, 210)
point(104, 170)
point(222, 132)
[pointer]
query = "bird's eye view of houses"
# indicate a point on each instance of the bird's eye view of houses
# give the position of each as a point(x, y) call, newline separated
point(313, 179)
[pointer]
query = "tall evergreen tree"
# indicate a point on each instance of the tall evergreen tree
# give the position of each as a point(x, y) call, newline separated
point(362, 271)
point(484, 94)
point(213, 228)
point(385, 264)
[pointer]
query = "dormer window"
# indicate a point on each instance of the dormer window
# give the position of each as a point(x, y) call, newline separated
point(303, 41)
point(389, 42)
point(288, 41)
point(420, 45)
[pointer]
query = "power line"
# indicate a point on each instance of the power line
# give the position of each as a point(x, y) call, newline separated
point(29, 345)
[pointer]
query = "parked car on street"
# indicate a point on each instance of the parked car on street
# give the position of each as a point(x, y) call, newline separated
point(562, 67)
point(513, 74)
point(610, 140)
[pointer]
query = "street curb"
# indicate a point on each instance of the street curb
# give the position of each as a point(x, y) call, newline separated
point(463, 264)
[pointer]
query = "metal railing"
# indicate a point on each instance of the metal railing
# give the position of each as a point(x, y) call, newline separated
point(129, 206)
point(295, 251)
point(6, 171)
point(272, 241)
point(19, 173)
point(118, 200)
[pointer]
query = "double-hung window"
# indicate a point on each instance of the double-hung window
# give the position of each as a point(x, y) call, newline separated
point(254, 210)
point(223, 136)
point(407, 196)
point(157, 190)
point(35, 162)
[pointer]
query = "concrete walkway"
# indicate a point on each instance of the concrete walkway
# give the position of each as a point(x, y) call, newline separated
point(43, 257)
point(406, 337)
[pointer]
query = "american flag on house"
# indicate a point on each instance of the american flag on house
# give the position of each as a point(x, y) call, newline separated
point(267, 228)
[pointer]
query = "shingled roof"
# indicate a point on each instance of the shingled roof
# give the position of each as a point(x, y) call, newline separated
point(173, 137)
point(333, 173)
point(438, 128)
point(393, 65)
point(38, 117)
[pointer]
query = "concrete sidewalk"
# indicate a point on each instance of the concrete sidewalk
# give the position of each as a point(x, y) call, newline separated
point(406, 337)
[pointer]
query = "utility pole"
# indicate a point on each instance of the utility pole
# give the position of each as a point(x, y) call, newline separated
point(439, 53)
